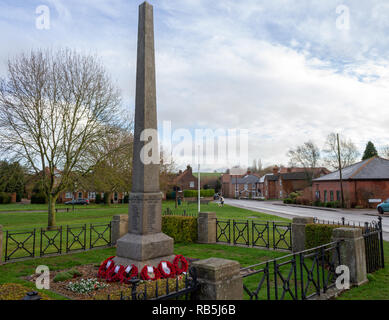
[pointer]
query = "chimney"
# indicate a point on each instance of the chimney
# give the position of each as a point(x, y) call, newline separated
point(189, 168)
point(275, 170)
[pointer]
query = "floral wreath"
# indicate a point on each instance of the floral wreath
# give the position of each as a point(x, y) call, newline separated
point(106, 267)
point(184, 264)
point(125, 276)
point(145, 273)
point(170, 266)
point(113, 274)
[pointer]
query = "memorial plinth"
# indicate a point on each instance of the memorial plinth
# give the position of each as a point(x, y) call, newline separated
point(145, 243)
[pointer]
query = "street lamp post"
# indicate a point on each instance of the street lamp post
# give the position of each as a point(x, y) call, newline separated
point(198, 182)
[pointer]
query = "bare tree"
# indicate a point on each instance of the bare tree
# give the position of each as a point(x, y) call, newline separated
point(55, 108)
point(384, 152)
point(306, 156)
point(348, 152)
point(167, 172)
point(113, 158)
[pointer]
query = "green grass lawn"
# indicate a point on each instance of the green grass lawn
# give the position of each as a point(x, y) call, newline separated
point(376, 289)
point(103, 214)
point(100, 215)
point(378, 286)
point(12, 273)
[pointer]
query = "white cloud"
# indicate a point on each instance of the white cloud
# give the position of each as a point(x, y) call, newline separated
point(278, 68)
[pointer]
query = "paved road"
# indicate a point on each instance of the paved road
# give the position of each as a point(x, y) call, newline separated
point(274, 208)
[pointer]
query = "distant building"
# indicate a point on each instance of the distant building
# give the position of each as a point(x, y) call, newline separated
point(276, 185)
point(365, 183)
point(244, 185)
point(116, 197)
point(284, 181)
point(185, 180)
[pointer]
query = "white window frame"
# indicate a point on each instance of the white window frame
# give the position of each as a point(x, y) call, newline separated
point(191, 184)
point(69, 195)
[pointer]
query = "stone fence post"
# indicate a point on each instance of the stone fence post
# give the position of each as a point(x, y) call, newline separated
point(219, 279)
point(352, 253)
point(298, 232)
point(206, 227)
point(119, 227)
point(1, 244)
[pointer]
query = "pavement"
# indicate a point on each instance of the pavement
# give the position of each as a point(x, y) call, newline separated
point(277, 208)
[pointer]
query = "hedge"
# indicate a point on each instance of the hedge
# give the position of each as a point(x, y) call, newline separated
point(203, 193)
point(5, 198)
point(171, 195)
point(320, 234)
point(181, 229)
point(38, 198)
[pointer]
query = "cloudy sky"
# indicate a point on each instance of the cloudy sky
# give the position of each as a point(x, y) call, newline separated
point(285, 70)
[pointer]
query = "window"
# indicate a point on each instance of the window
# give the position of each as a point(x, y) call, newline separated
point(325, 195)
point(116, 196)
point(337, 195)
point(331, 196)
point(317, 195)
point(191, 184)
point(246, 187)
point(92, 195)
point(80, 195)
point(69, 195)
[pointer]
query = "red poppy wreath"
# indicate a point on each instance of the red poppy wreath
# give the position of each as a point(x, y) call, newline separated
point(179, 259)
point(147, 271)
point(128, 273)
point(105, 267)
point(113, 274)
point(166, 269)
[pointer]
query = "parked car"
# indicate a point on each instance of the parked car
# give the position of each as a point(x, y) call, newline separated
point(383, 207)
point(84, 202)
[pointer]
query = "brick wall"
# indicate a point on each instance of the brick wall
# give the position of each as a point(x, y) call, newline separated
point(356, 192)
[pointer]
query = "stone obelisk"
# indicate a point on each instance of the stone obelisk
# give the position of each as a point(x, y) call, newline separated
point(145, 243)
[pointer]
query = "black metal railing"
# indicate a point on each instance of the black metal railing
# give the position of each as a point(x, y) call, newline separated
point(374, 246)
point(255, 233)
point(45, 242)
point(179, 288)
point(372, 234)
point(51, 241)
point(223, 232)
point(298, 276)
point(100, 235)
point(75, 238)
point(16, 242)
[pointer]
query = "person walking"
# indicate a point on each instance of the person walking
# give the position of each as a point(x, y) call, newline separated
point(221, 201)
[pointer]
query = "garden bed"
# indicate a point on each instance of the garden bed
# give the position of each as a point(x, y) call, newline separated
point(109, 290)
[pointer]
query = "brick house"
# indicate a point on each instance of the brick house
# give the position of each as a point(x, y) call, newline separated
point(284, 181)
point(247, 186)
point(229, 183)
point(116, 197)
point(362, 181)
point(185, 180)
